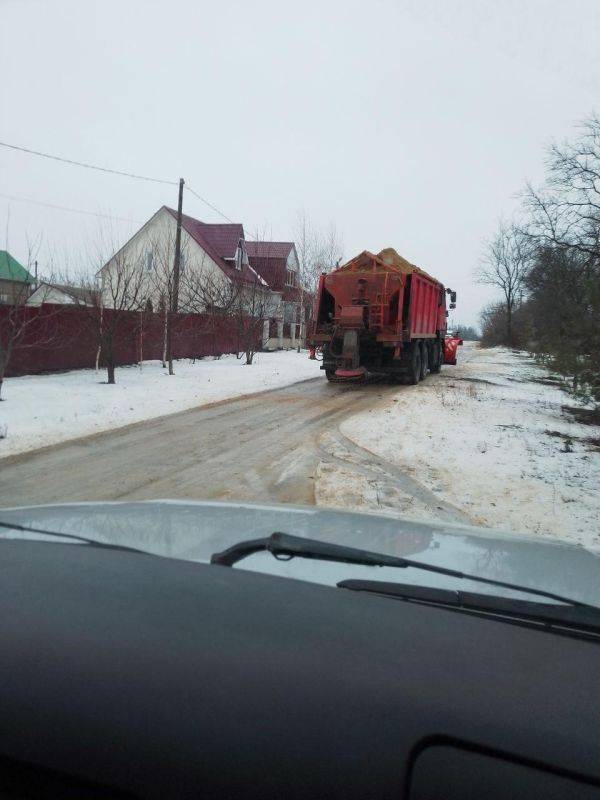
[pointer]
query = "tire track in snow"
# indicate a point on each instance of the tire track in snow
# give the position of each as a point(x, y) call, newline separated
point(335, 448)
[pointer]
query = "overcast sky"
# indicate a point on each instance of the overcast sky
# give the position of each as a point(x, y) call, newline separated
point(409, 124)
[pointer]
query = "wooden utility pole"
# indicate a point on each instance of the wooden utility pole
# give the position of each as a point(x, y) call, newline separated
point(177, 249)
point(175, 291)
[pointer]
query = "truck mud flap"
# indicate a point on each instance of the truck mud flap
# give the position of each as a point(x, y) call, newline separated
point(351, 374)
point(350, 349)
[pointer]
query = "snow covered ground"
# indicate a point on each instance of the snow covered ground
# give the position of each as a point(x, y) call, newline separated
point(45, 409)
point(490, 437)
point(486, 442)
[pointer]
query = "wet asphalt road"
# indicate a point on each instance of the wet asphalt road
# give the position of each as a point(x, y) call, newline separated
point(261, 447)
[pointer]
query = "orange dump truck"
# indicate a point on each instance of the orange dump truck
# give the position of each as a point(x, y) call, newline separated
point(379, 314)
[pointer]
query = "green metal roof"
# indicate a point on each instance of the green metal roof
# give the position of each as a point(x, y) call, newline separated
point(11, 270)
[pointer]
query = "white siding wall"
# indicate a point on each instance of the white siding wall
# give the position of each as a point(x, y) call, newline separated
point(292, 312)
point(292, 260)
point(158, 236)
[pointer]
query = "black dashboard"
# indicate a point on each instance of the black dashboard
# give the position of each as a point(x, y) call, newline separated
point(126, 675)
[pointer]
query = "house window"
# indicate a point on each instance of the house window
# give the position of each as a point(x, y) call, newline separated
point(149, 260)
point(290, 277)
point(290, 312)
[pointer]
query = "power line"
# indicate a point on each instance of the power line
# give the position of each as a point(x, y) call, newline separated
point(214, 208)
point(65, 208)
point(87, 166)
point(74, 163)
point(210, 205)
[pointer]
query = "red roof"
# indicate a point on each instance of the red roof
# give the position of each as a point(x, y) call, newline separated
point(218, 241)
point(269, 249)
point(224, 238)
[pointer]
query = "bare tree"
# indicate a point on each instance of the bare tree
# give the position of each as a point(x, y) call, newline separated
point(209, 295)
point(21, 327)
point(565, 212)
point(505, 265)
point(553, 261)
point(329, 251)
point(108, 290)
point(159, 279)
point(204, 290)
point(242, 297)
point(564, 226)
point(319, 250)
point(158, 266)
point(305, 247)
point(493, 326)
point(251, 306)
point(467, 332)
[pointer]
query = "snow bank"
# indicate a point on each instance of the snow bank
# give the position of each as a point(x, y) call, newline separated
point(489, 437)
point(39, 410)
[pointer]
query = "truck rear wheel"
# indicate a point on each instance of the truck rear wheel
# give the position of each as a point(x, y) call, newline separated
point(414, 367)
point(330, 375)
point(424, 360)
point(436, 358)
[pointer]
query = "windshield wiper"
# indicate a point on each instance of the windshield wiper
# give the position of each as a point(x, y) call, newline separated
point(284, 546)
point(572, 615)
point(14, 526)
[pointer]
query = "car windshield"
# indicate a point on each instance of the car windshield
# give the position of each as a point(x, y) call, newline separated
point(256, 279)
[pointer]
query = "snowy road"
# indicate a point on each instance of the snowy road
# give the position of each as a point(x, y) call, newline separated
point(41, 410)
point(274, 446)
point(481, 443)
point(260, 447)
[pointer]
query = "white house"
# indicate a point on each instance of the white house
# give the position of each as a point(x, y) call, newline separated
point(60, 295)
point(215, 252)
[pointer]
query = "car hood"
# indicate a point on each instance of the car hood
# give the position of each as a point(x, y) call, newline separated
point(195, 530)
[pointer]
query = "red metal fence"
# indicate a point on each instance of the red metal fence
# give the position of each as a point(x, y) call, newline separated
point(63, 337)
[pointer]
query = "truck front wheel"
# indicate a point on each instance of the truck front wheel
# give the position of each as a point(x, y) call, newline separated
point(414, 367)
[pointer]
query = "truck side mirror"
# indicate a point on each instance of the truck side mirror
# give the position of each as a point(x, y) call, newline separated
point(452, 305)
point(453, 299)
